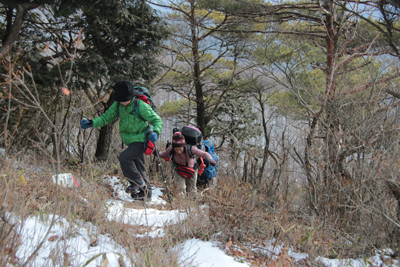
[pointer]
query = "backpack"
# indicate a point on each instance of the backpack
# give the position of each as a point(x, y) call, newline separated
point(209, 171)
point(193, 137)
point(140, 93)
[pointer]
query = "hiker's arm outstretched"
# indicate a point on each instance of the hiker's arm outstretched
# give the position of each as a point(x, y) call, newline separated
point(204, 155)
point(166, 153)
point(107, 117)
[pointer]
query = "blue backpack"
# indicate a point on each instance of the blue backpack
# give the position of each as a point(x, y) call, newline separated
point(209, 171)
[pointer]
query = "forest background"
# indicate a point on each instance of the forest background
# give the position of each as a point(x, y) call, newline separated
point(300, 99)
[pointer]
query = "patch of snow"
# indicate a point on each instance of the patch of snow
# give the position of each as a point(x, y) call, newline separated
point(70, 238)
point(144, 217)
point(205, 254)
point(367, 262)
point(119, 190)
point(272, 250)
point(153, 234)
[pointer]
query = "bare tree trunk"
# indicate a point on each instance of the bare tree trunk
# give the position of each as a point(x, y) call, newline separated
point(245, 166)
point(394, 189)
point(307, 163)
point(329, 95)
point(201, 124)
point(105, 137)
point(104, 142)
point(267, 140)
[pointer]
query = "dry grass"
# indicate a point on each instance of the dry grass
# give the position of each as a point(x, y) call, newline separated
point(243, 217)
point(247, 218)
point(25, 193)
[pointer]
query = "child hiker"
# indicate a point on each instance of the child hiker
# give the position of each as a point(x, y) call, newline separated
point(185, 166)
point(134, 131)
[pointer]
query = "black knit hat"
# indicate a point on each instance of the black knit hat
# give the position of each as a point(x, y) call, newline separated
point(123, 91)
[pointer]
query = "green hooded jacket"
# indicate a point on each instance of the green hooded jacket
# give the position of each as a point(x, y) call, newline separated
point(132, 129)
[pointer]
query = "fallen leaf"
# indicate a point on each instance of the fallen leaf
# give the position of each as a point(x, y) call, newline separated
point(9, 251)
point(228, 244)
point(65, 91)
point(93, 242)
point(284, 261)
point(53, 238)
point(121, 262)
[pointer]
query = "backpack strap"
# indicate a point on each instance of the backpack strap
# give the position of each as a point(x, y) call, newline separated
point(189, 150)
point(136, 105)
point(136, 109)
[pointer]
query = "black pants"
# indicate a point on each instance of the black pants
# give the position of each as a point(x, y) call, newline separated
point(132, 163)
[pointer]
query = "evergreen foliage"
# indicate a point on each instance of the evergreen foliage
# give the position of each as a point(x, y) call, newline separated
point(118, 40)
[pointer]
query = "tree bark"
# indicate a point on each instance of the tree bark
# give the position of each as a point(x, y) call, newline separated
point(201, 123)
point(330, 50)
point(104, 142)
point(105, 137)
point(394, 189)
point(267, 140)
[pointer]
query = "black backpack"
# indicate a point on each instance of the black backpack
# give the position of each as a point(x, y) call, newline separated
point(193, 137)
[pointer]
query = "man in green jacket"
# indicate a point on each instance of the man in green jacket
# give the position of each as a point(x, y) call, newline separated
point(133, 130)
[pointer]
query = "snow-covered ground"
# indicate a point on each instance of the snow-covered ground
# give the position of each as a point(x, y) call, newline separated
point(92, 249)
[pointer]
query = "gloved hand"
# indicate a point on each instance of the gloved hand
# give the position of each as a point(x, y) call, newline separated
point(153, 137)
point(85, 123)
point(168, 144)
point(212, 162)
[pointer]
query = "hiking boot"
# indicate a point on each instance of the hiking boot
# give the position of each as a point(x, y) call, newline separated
point(131, 190)
point(141, 193)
